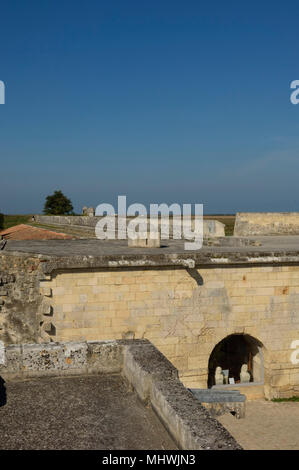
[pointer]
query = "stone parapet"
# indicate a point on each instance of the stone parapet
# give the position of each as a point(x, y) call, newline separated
point(266, 223)
point(151, 375)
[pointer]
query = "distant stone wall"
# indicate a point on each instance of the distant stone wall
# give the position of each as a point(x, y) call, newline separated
point(268, 223)
point(211, 228)
point(81, 220)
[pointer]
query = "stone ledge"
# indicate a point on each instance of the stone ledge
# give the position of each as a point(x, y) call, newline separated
point(97, 254)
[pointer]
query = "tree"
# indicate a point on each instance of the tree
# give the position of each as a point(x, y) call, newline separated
point(58, 204)
point(1, 221)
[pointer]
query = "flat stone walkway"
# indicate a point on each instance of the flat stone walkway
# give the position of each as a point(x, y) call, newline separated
point(89, 412)
point(267, 426)
point(94, 247)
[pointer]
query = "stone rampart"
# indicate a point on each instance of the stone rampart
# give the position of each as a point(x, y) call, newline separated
point(211, 228)
point(266, 223)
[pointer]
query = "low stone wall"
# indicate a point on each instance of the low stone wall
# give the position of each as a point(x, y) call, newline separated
point(151, 375)
point(211, 228)
point(266, 223)
point(81, 220)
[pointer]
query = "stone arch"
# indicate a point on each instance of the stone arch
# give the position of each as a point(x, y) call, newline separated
point(232, 352)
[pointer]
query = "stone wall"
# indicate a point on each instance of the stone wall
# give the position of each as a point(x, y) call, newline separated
point(20, 298)
point(268, 223)
point(211, 228)
point(184, 313)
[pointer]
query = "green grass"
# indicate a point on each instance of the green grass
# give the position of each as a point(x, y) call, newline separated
point(11, 220)
point(278, 400)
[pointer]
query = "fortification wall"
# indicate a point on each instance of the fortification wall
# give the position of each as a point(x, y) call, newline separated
point(211, 228)
point(184, 312)
point(266, 223)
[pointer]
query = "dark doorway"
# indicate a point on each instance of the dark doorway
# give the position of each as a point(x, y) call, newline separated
point(2, 392)
point(231, 353)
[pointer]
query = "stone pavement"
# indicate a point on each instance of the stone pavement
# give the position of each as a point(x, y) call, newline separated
point(267, 426)
point(86, 412)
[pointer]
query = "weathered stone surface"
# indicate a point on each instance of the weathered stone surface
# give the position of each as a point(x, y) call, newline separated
point(84, 412)
point(145, 242)
point(53, 358)
point(155, 380)
point(266, 223)
point(47, 327)
point(46, 291)
point(2, 353)
point(90, 212)
point(106, 356)
point(19, 286)
point(46, 308)
point(211, 228)
point(13, 361)
point(219, 402)
point(146, 370)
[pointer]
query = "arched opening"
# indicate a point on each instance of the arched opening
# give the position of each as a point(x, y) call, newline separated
point(232, 354)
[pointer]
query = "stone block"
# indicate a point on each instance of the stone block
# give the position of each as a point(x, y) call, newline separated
point(46, 291)
point(144, 241)
point(46, 309)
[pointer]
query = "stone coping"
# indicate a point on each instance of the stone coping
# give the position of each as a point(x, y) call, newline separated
point(89, 254)
point(217, 396)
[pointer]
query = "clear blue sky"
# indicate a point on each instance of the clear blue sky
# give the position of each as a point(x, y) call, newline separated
point(163, 101)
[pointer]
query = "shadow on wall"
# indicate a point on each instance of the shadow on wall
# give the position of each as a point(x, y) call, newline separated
point(2, 392)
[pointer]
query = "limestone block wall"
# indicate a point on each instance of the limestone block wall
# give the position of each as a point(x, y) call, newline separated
point(184, 313)
point(268, 223)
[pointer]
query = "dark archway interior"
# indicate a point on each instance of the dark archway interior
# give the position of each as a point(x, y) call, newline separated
point(2, 392)
point(231, 353)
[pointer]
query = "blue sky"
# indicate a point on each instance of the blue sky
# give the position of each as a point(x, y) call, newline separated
point(163, 101)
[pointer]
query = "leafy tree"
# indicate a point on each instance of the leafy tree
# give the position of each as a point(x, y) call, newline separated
point(58, 204)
